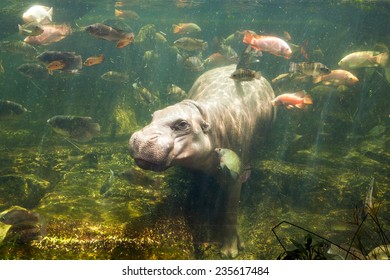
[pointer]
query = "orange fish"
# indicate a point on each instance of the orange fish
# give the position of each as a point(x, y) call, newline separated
point(94, 60)
point(127, 14)
point(126, 40)
point(270, 44)
point(337, 77)
point(185, 28)
point(290, 100)
point(55, 65)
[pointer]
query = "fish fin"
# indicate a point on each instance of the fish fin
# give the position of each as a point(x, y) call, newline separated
point(300, 106)
point(289, 107)
point(300, 93)
point(205, 45)
point(50, 13)
point(118, 13)
point(317, 79)
point(382, 59)
point(248, 38)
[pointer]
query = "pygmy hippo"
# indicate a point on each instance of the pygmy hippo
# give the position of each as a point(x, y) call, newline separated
point(220, 113)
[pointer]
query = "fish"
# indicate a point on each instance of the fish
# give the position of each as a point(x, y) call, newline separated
point(33, 71)
point(106, 32)
point(51, 34)
point(176, 90)
point(229, 163)
point(309, 68)
point(215, 59)
point(232, 38)
point(228, 52)
point(127, 14)
point(293, 100)
point(190, 44)
point(73, 63)
point(24, 233)
point(107, 184)
point(117, 77)
point(79, 128)
point(160, 38)
point(10, 110)
point(364, 59)
point(368, 205)
point(2, 71)
point(337, 77)
point(93, 60)
point(271, 44)
point(193, 63)
point(55, 65)
point(30, 29)
point(39, 14)
point(19, 47)
point(245, 75)
point(145, 94)
point(19, 215)
point(185, 28)
point(247, 58)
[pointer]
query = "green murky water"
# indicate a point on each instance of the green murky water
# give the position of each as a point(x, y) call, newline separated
point(313, 171)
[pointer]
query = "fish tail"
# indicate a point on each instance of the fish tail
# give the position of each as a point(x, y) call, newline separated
point(118, 13)
point(176, 28)
point(248, 38)
point(50, 13)
point(382, 59)
point(205, 46)
point(307, 99)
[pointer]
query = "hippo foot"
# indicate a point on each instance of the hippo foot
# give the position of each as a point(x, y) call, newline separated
point(231, 247)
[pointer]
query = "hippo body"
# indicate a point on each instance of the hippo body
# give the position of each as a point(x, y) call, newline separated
point(220, 113)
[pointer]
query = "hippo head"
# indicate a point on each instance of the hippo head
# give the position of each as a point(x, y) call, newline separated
point(177, 135)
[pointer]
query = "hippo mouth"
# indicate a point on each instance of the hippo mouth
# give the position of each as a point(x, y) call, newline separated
point(147, 165)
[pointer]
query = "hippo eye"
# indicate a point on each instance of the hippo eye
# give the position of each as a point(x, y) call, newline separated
point(181, 126)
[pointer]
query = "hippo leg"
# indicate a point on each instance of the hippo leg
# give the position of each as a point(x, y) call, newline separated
point(231, 241)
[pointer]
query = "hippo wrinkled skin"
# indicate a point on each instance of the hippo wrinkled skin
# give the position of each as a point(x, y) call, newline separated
point(219, 113)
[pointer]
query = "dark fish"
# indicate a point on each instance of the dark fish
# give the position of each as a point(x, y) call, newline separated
point(368, 206)
point(145, 94)
point(10, 110)
point(309, 68)
point(33, 71)
point(247, 57)
point(194, 63)
point(109, 33)
point(190, 44)
point(245, 75)
point(72, 62)
point(117, 77)
point(24, 233)
point(19, 47)
point(78, 128)
point(19, 215)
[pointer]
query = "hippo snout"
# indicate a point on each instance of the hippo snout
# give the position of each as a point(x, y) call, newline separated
point(151, 149)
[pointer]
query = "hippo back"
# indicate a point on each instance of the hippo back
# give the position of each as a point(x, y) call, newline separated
point(235, 110)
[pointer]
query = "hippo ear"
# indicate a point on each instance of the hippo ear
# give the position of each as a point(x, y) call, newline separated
point(203, 123)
